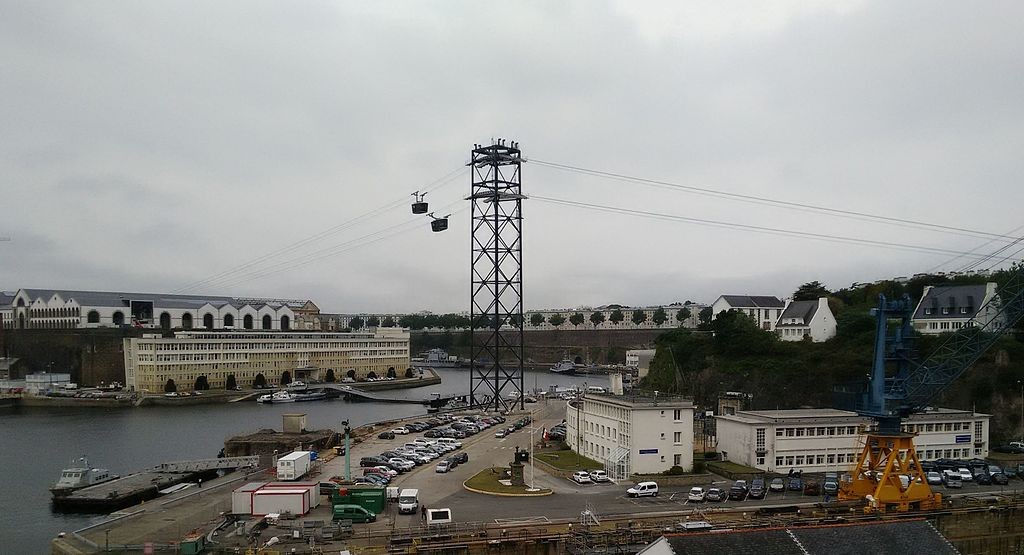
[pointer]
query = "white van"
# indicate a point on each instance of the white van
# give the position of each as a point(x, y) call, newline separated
point(642, 489)
point(409, 501)
point(449, 441)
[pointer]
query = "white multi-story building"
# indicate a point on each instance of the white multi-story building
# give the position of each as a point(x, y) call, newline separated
point(819, 440)
point(635, 433)
point(765, 310)
point(150, 361)
point(6, 310)
point(947, 308)
point(813, 319)
point(62, 309)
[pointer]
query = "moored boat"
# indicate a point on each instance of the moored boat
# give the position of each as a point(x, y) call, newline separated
point(564, 367)
point(78, 477)
point(277, 397)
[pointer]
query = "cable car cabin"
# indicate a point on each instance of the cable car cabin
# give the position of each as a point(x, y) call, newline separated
point(439, 224)
point(419, 207)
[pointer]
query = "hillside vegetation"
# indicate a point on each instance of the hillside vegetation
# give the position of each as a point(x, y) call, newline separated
point(732, 354)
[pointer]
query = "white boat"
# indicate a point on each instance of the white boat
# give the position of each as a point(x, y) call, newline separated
point(277, 397)
point(78, 477)
point(564, 367)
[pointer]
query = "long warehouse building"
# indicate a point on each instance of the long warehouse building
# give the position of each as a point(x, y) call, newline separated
point(150, 361)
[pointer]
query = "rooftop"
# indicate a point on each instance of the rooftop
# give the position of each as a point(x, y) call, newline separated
point(802, 310)
point(789, 414)
point(643, 399)
point(757, 301)
point(951, 298)
point(908, 536)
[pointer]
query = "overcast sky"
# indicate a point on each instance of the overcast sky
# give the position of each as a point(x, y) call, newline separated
point(150, 145)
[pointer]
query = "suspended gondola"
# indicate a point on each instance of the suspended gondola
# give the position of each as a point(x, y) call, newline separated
point(438, 224)
point(419, 206)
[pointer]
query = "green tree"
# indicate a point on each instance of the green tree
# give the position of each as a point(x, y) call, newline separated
point(202, 383)
point(597, 318)
point(556, 320)
point(705, 315)
point(683, 315)
point(329, 378)
point(231, 382)
point(260, 381)
point(738, 335)
point(576, 319)
point(411, 321)
point(371, 375)
point(372, 322)
point(410, 373)
point(351, 374)
point(356, 323)
point(286, 378)
point(536, 319)
point(639, 317)
point(388, 322)
point(810, 291)
point(659, 317)
point(616, 317)
point(391, 372)
point(170, 386)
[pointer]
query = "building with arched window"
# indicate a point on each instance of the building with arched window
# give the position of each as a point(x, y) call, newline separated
point(151, 360)
point(64, 309)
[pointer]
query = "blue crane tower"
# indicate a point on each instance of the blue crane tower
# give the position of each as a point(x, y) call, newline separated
point(888, 473)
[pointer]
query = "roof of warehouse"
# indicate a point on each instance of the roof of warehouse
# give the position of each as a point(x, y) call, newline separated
point(908, 536)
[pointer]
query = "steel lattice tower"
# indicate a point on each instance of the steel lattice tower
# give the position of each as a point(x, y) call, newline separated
point(496, 275)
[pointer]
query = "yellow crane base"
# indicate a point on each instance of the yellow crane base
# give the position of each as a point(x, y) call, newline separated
point(889, 477)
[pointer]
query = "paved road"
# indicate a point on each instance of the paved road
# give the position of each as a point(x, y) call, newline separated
point(569, 499)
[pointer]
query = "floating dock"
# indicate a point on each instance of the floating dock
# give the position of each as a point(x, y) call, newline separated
point(143, 486)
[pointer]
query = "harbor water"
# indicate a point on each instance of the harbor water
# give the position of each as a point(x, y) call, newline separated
point(35, 444)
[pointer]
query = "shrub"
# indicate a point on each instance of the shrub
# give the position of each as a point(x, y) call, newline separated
point(698, 467)
point(710, 455)
point(674, 471)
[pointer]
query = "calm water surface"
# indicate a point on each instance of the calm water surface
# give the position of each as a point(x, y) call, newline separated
point(36, 444)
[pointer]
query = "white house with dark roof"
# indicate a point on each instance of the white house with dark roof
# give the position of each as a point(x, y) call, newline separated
point(802, 319)
point(63, 309)
point(947, 308)
point(765, 310)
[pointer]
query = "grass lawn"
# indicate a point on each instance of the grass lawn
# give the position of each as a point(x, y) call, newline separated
point(729, 466)
point(568, 460)
point(487, 480)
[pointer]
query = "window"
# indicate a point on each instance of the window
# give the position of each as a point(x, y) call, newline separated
point(677, 415)
point(851, 430)
point(831, 431)
point(789, 460)
point(759, 442)
point(799, 432)
point(778, 461)
point(945, 310)
point(820, 459)
point(928, 311)
point(810, 432)
point(831, 458)
point(949, 427)
point(677, 437)
point(799, 460)
point(760, 460)
point(963, 310)
point(928, 454)
point(789, 432)
point(778, 432)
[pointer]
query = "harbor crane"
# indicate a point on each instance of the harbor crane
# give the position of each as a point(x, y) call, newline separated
point(888, 473)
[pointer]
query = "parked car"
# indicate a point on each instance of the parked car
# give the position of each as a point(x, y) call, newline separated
point(934, 478)
point(983, 479)
point(696, 494)
point(581, 477)
point(500, 433)
point(757, 489)
point(715, 494)
point(386, 435)
point(812, 488)
point(795, 484)
point(643, 489)
point(461, 457)
point(737, 493)
point(599, 476)
point(1000, 479)
point(778, 484)
point(965, 474)
point(831, 484)
point(372, 461)
point(401, 430)
point(442, 467)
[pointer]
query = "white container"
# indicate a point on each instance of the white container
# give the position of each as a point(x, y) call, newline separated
point(280, 500)
point(241, 498)
point(294, 465)
point(312, 487)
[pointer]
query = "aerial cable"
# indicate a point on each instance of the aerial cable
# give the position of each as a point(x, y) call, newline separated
point(752, 228)
point(226, 275)
point(334, 250)
point(774, 202)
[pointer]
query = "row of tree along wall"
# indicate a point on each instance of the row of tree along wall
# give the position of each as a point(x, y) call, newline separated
point(549, 346)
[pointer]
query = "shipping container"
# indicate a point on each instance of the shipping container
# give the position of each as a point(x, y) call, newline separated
point(372, 499)
point(241, 498)
point(280, 500)
point(293, 466)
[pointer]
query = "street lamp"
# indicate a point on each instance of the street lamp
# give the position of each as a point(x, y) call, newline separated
point(348, 466)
